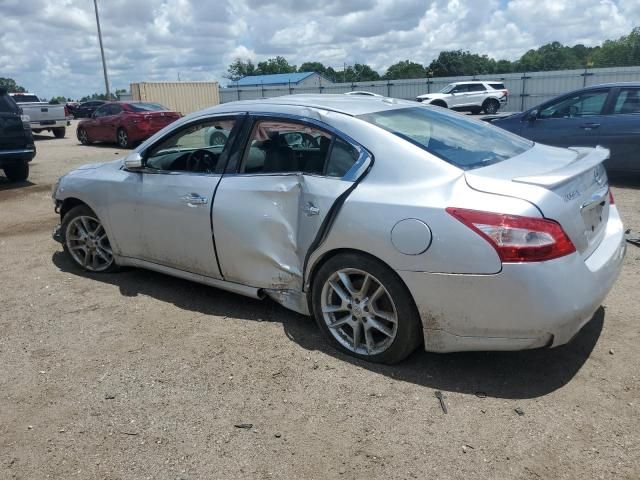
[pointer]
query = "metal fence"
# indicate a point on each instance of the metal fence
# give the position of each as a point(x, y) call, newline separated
point(525, 89)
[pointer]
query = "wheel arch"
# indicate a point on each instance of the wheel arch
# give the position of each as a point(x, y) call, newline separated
point(69, 203)
point(326, 256)
point(439, 103)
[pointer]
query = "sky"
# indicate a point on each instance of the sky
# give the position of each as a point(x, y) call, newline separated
point(50, 46)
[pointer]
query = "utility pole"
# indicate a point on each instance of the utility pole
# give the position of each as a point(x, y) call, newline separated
point(104, 63)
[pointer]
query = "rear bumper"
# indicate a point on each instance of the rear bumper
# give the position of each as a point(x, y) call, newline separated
point(17, 155)
point(139, 134)
point(44, 125)
point(524, 306)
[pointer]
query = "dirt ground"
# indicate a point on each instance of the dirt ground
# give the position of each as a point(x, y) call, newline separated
point(137, 375)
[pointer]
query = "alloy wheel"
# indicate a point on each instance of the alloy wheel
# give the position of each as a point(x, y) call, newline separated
point(88, 243)
point(82, 136)
point(359, 311)
point(123, 138)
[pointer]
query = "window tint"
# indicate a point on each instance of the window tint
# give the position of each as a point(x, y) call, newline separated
point(578, 105)
point(628, 101)
point(113, 109)
point(283, 147)
point(477, 87)
point(146, 107)
point(102, 111)
point(21, 98)
point(497, 86)
point(455, 139)
point(196, 148)
point(461, 88)
point(343, 157)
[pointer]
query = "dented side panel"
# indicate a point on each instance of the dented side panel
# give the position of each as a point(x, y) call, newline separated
point(264, 224)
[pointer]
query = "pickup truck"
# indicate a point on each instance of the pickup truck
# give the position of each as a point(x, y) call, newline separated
point(16, 142)
point(43, 115)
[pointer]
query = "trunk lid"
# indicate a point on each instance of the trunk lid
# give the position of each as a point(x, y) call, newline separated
point(567, 185)
point(160, 119)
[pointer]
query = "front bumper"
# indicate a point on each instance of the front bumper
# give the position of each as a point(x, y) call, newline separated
point(524, 306)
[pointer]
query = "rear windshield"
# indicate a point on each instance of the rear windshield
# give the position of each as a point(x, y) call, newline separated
point(497, 86)
point(450, 136)
point(146, 107)
point(25, 98)
point(7, 105)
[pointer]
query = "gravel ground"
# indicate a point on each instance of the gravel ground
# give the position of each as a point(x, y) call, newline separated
point(137, 375)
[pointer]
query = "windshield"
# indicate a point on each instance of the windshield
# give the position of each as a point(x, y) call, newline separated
point(448, 88)
point(450, 136)
point(146, 107)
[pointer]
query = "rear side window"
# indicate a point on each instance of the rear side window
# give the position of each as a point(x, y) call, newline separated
point(455, 139)
point(343, 157)
point(497, 86)
point(628, 101)
point(7, 105)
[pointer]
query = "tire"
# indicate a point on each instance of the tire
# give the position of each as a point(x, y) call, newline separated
point(60, 132)
point(83, 136)
point(364, 309)
point(490, 106)
point(439, 103)
point(85, 241)
point(122, 138)
point(17, 172)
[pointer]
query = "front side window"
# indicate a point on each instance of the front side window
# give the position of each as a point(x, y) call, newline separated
point(196, 148)
point(461, 88)
point(628, 101)
point(477, 87)
point(578, 105)
point(448, 88)
point(455, 139)
point(285, 147)
point(102, 111)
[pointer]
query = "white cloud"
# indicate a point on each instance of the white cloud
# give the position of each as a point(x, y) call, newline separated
point(51, 46)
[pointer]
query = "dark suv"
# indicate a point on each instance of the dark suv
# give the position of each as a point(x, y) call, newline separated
point(16, 142)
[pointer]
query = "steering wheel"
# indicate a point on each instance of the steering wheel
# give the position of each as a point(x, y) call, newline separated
point(201, 161)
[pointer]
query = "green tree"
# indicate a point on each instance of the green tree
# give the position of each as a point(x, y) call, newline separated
point(453, 63)
point(240, 68)
point(622, 52)
point(313, 67)
point(275, 65)
point(11, 85)
point(405, 69)
point(360, 72)
point(59, 99)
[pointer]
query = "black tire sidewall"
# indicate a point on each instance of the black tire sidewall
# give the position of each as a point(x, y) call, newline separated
point(118, 138)
point(17, 172)
point(491, 102)
point(59, 132)
point(70, 215)
point(409, 334)
point(86, 141)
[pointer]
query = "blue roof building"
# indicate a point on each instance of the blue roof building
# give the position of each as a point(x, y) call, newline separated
point(300, 79)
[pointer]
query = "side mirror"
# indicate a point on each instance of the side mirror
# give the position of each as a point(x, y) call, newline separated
point(133, 162)
point(532, 115)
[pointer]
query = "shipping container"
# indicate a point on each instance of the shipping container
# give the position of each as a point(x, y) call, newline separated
point(183, 97)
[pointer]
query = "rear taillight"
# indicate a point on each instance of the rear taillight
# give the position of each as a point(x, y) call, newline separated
point(515, 238)
point(66, 111)
point(611, 201)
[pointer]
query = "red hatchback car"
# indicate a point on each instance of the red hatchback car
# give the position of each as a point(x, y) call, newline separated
point(125, 123)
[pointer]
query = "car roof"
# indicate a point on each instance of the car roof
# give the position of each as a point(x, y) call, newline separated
point(347, 104)
point(477, 81)
point(612, 84)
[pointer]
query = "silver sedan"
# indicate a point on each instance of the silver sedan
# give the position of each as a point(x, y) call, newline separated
point(392, 223)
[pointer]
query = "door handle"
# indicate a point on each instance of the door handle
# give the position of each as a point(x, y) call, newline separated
point(589, 126)
point(310, 209)
point(193, 199)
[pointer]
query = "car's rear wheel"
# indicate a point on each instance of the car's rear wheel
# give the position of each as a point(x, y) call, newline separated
point(364, 309)
point(490, 106)
point(59, 132)
point(83, 137)
point(123, 138)
point(85, 240)
point(17, 172)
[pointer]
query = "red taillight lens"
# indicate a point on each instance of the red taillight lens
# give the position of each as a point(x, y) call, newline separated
point(611, 200)
point(515, 238)
point(66, 111)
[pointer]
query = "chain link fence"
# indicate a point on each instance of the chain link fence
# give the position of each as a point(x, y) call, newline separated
point(526, 90)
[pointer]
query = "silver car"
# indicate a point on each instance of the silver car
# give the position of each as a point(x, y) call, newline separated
point(394, 224)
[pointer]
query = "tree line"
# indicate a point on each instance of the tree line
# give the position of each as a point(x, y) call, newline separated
point(623, 52)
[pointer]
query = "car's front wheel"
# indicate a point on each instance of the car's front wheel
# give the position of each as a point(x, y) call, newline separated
point(83, 137)
point(364, 309)
point(86, 241)
point(490, 106)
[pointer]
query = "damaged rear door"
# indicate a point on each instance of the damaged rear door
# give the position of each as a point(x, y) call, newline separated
point(291, 179)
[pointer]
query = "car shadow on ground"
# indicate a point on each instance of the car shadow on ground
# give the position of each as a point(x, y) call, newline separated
point(509, 375)
point(5, 184)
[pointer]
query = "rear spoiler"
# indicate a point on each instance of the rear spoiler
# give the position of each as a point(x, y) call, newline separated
point(587, 159)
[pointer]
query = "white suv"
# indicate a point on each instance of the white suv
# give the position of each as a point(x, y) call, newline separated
point(473, 96)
